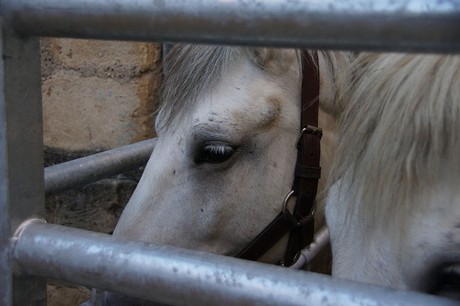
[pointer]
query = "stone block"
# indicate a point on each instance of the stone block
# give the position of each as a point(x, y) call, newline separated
point(98, 95)
point(94, 113)
point(105, 59)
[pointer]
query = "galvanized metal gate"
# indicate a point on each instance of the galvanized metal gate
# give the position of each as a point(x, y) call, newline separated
point(31, 251)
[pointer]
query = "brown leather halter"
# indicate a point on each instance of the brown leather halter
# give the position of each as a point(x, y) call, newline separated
point(300, 223)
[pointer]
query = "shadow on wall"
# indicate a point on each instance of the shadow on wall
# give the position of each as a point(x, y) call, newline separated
point(96, 207)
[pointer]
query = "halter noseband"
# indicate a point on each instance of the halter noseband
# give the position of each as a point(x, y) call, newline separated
point(300, 223)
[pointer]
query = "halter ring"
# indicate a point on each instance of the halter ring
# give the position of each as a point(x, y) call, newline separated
point(286, 200)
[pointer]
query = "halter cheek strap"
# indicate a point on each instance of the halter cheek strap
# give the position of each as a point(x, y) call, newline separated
point(299, 223)
point(307, 170)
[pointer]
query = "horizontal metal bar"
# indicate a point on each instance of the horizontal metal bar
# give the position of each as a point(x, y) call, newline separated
point(177, 276)
point(89, 169)
point(397, 25)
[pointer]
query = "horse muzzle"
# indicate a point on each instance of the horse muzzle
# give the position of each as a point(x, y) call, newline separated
point(449, 282)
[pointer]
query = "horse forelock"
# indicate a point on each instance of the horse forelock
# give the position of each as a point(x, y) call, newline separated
point(193, 70)
point(399, 133)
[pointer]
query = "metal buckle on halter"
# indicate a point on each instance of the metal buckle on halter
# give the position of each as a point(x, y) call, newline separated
point(314, 130)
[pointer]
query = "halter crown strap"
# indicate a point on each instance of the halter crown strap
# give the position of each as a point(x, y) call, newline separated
point(300, 223)
point(307, 171)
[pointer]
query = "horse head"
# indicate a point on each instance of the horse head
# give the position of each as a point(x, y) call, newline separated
point(226, 150)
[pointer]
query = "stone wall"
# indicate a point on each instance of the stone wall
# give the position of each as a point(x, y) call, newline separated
point(97, 95)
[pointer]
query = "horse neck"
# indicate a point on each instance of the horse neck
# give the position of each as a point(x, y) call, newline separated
point(405, 107)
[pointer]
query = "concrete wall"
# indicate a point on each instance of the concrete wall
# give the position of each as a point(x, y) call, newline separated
point(97, 95)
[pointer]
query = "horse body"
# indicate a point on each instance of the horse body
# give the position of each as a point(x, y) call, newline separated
point(393, 210)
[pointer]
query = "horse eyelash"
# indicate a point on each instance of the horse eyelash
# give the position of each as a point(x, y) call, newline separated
point(219, 149)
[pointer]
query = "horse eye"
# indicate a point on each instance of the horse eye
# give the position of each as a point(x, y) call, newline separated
point(214, 153)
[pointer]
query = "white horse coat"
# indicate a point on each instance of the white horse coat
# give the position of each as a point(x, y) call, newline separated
point(394, 207)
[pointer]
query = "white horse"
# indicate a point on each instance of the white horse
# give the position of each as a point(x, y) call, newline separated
point(394, 207)
point(226, 151)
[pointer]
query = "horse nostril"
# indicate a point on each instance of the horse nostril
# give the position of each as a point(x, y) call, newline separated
point(449, 282)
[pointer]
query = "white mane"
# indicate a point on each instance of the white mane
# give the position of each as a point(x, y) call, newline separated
point(401, 131)
point(192, 70)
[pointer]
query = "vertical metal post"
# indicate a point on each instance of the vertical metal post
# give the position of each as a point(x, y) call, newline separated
point(21, 159)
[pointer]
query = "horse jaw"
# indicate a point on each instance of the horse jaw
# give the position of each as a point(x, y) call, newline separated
point(356, 257)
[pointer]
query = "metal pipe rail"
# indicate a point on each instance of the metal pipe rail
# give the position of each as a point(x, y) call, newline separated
point(178, 276)
point(157, 272)
point(404, 25)
point(85, 170)
point(320, 241)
